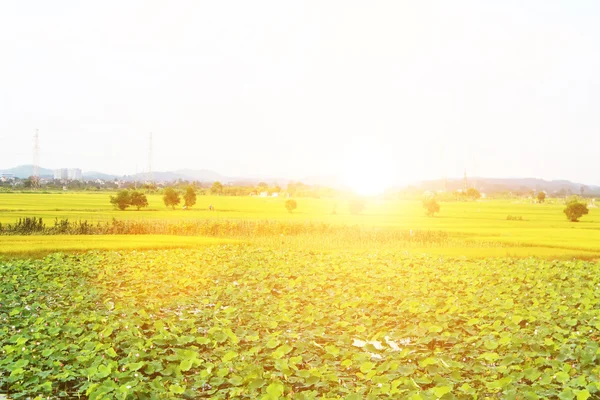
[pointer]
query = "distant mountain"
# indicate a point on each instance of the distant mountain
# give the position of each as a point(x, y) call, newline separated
point(202, 175)
point(91, 175)
point(328, 181)
point(496, 185)
point(25, 171)
point(486, 185)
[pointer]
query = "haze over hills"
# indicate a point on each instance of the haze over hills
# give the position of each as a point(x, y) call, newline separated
point(495, 185)
point(24, 171)
point(491, 185)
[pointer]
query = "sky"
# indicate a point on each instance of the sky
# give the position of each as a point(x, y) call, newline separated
point(411, 90)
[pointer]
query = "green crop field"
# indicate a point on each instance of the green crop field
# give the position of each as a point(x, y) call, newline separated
point(242, 322)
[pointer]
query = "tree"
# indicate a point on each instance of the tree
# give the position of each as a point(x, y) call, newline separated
point(171, 197)
point(138, 200)
point(575, 210)
point(541, 196)
point(357, 206)
point(431, 206)
point(189, 197)
point(291, 205)
point(217, 187)
point(122, 200)
point(473, 193)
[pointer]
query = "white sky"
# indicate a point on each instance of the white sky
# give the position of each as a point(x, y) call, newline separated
point(292, 89)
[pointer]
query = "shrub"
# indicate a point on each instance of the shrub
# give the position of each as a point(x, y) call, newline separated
point(431, 206)
point(189, 197)
point(541, 197)
point(138, 200)
point(514, 218)
point(575, 210)
point(122, 200)
point(357, 206)
point(171, 198)
point(473, 193)
point(291, 205)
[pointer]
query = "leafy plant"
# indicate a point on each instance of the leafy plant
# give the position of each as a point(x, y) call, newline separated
point(249, 322)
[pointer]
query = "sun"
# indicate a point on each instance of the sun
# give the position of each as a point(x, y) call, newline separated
point(368, 169)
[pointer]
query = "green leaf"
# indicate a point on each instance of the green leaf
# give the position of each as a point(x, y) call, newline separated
point(490, 344)
point(236, 380)
point(466, 388)
point(135, 366)
point(257, 384)
point(176, 389)
point(439, 391)
point(562, 377)
point(582, 394)
point(111, 352)
point(366, 367)
point(203, 340)
point(186, 364)
point(20, 363)
point(333, 350)
point(566, 394)
point(490, 356)
point(230, 355)
point(103, 371)
point(428, 361)
point(275, 390)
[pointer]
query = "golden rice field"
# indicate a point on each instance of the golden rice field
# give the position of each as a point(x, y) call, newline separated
point(478, 229)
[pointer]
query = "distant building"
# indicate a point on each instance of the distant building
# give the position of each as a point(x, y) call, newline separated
point(68, 174)
point(7, 177)
point(74, 174)
point(61, 174)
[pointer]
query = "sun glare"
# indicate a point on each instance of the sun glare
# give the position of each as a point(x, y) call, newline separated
point(368, 169)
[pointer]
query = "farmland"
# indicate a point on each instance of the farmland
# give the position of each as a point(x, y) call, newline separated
point(251, 301)
point(544, 230)
point(239, 322)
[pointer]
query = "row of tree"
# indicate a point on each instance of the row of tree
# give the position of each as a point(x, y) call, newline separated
point(171, 197)
point(574, 209)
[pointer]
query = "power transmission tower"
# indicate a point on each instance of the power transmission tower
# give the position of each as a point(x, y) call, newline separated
point(35, 177)
point(475, 172)
point(150, 175)
point(443, 165)
point(465, 184)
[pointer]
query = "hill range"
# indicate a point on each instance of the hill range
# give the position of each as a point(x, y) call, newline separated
point(490, 185)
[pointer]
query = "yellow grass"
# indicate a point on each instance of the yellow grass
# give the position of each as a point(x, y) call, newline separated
point(42, 245)
point(477, 228)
